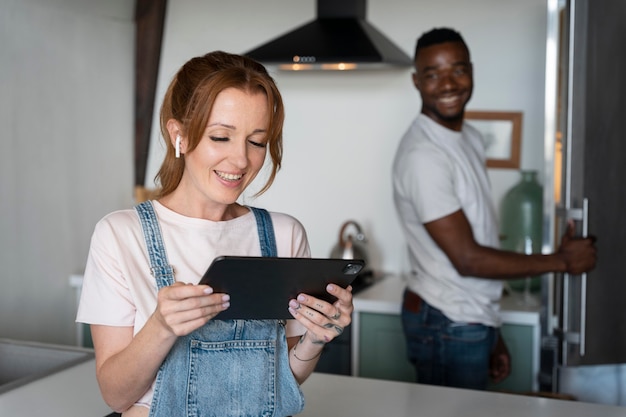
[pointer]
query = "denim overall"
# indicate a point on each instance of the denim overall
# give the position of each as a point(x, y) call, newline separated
point(237, 368)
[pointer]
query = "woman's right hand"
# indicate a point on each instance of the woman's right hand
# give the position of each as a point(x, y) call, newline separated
point(183, 308)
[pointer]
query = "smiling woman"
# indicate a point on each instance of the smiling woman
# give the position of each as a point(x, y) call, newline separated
point(191, 123)
point(223, 160)
point(221, 115)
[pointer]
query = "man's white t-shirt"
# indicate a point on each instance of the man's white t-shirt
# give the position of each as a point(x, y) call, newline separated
point(118, 289)
point(436, 172)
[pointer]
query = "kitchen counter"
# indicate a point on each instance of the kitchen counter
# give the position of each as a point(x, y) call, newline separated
point(72, 392)
point(385, 296)
point(346, 396)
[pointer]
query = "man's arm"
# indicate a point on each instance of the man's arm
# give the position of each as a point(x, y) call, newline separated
point(453, 234)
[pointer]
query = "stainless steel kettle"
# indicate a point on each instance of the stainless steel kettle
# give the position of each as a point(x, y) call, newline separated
point(350, 246)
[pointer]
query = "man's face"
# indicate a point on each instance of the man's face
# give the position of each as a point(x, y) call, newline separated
point(444, 79)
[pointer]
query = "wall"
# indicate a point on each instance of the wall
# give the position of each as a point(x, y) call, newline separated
point(67, 114)
point(342, 129)
point(67, 121)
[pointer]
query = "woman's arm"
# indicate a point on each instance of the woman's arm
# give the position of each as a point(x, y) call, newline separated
point(126, 366)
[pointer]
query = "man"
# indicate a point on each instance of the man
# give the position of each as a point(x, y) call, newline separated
point(443, 199)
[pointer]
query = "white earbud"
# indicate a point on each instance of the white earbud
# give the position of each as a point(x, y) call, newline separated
point(177, 146)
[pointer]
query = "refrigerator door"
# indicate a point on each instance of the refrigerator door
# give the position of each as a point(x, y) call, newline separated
point(585, 316)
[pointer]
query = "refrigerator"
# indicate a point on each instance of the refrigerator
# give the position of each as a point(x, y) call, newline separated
point(583, 343)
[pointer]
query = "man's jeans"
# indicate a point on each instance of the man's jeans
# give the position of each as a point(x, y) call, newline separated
point(445, 352)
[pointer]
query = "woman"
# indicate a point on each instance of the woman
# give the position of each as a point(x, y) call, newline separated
point(158, 353)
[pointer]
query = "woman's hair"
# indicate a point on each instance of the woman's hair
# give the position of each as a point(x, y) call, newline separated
point(191, 95)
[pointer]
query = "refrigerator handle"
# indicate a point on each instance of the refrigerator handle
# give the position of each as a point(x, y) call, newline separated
point(583, 281)
point(570, 336)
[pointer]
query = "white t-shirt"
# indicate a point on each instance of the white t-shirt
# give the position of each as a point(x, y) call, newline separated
point(118, 289)
point(436, 172)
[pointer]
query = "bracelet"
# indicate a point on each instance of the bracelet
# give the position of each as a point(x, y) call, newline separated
point(304, 360)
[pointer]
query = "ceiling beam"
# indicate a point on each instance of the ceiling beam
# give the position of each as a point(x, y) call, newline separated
point(149, 22)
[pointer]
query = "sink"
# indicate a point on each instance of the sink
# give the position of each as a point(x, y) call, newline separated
point(23, 362)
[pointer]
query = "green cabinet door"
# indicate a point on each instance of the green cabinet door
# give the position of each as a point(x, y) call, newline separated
point(519, 341)
point(382, 348)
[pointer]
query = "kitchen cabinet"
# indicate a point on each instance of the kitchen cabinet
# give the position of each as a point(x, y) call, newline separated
point(379, 350)
point(382, 349)
point(521, 340)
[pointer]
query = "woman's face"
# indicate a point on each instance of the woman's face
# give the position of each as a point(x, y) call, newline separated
point(232, 149)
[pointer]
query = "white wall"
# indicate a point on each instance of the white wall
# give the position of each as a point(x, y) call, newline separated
point(341, 129)
point(66, 111)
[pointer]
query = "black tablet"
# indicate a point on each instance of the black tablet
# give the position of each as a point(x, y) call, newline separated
point(261, 287)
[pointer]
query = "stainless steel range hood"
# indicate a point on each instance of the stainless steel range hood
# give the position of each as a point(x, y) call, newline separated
point(338, 39)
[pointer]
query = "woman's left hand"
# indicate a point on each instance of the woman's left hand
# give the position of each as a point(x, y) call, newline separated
point(324, 321)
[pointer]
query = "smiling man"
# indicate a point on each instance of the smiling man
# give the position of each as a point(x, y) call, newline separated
point(442, 194)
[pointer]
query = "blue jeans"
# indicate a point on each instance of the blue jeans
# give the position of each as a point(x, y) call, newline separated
point(445, 352)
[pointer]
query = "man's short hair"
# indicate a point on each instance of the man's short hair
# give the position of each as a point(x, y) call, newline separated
point(437, 36)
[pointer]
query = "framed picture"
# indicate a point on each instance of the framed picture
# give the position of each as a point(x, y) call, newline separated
point(502, 133)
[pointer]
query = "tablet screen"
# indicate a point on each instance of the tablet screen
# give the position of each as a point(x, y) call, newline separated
point(261, 287)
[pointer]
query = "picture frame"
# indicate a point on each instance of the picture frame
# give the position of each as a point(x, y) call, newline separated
point(502, 135)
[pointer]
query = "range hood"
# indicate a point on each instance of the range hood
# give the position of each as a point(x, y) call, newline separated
point(338, 39)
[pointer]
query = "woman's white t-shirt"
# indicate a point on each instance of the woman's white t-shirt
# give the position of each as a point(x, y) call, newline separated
point(118, 289)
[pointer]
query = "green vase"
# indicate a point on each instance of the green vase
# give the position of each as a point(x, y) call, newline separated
point(521, 215)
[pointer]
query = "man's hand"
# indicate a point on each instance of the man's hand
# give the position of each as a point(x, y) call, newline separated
point(500, 361)
point(579, 254)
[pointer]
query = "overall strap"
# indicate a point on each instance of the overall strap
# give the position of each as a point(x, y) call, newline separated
point(159, 265)
point(267, 239)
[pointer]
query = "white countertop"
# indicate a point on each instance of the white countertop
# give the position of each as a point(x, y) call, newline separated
point(385, 296)
point(334, 395)
point(74, 393)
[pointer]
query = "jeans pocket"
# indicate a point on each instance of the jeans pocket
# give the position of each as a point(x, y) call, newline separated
point(468, 333)
point(235, 378)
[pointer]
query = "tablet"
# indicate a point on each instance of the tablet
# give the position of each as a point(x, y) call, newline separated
point(261, 287)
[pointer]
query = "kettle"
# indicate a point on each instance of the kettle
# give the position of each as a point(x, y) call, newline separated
point(351, 246)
